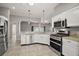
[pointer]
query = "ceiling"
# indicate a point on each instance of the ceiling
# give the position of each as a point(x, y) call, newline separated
point(21, 9)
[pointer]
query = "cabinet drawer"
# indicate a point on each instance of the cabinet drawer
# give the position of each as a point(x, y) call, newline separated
point(70, 43)
point(67, 51)
point(70, 47)
point(70, 51)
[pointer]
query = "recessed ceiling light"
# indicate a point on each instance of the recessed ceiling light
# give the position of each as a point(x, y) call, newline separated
point(31, 4)
point(13, 7)
point(46, 21)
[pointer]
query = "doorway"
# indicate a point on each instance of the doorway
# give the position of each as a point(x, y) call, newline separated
point(14, 35)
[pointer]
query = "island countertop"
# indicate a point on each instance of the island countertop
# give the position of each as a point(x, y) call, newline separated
point(30, 33)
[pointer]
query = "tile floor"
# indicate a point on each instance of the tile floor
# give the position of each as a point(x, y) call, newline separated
point(30, 50)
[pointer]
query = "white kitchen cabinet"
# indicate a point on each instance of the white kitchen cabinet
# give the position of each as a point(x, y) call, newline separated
point(71, 15)
point(28, 39)
point(73, 18)
point(70, 47)
point(25, 39)
point(35, 38)
point(41, 38)
point(45, 39)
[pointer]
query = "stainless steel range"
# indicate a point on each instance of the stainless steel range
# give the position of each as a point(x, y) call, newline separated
point(56, 40)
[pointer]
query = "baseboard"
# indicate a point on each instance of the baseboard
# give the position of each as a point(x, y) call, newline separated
point(33, 44)
point(62, 55)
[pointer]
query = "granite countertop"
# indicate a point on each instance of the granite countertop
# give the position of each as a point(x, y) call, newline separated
point(72, 38)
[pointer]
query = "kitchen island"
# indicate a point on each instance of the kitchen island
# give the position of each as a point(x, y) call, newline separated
point(35, 37)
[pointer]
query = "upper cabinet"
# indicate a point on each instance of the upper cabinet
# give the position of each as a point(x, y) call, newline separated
point(71, 15)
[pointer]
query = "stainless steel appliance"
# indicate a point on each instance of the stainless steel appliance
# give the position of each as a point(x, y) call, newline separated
point(55, 42)
point(3, 37)
point(56, 39)
point(2, 45)
point(61, 23)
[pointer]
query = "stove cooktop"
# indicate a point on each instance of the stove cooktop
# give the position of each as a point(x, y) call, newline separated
point(59, 35)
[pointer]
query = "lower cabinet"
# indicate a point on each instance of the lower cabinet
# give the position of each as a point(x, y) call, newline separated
point(28, 39)
point(25, 39)
point(35, 38)
point(41, 38)
point(70, 48)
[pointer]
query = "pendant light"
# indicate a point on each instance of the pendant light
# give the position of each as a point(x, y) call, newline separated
point(43, 18)
point(31, 4)
point(29, 16)
point(43, 15)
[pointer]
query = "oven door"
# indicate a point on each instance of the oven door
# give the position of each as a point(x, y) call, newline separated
point(57, 24)
point(55, 45)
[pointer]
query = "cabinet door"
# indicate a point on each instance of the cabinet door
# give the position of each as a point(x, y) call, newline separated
point(67, 51)
point(70, 48)
point(23, 39)
point(72, 17)
point(45, 39)
point(27, 39)
point(39, 38)
point(35, 38)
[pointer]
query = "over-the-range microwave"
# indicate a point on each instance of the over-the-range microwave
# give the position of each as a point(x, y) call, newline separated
point(60, 24)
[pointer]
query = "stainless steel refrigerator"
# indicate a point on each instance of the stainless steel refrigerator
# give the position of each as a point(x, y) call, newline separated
point(3, 37)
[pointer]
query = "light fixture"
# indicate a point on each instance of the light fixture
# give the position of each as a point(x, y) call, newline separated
point(29, 15)
point(31, 4)
point(13, 7)
point(43, 16)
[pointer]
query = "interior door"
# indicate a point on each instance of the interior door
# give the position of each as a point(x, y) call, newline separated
point(14, 34)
